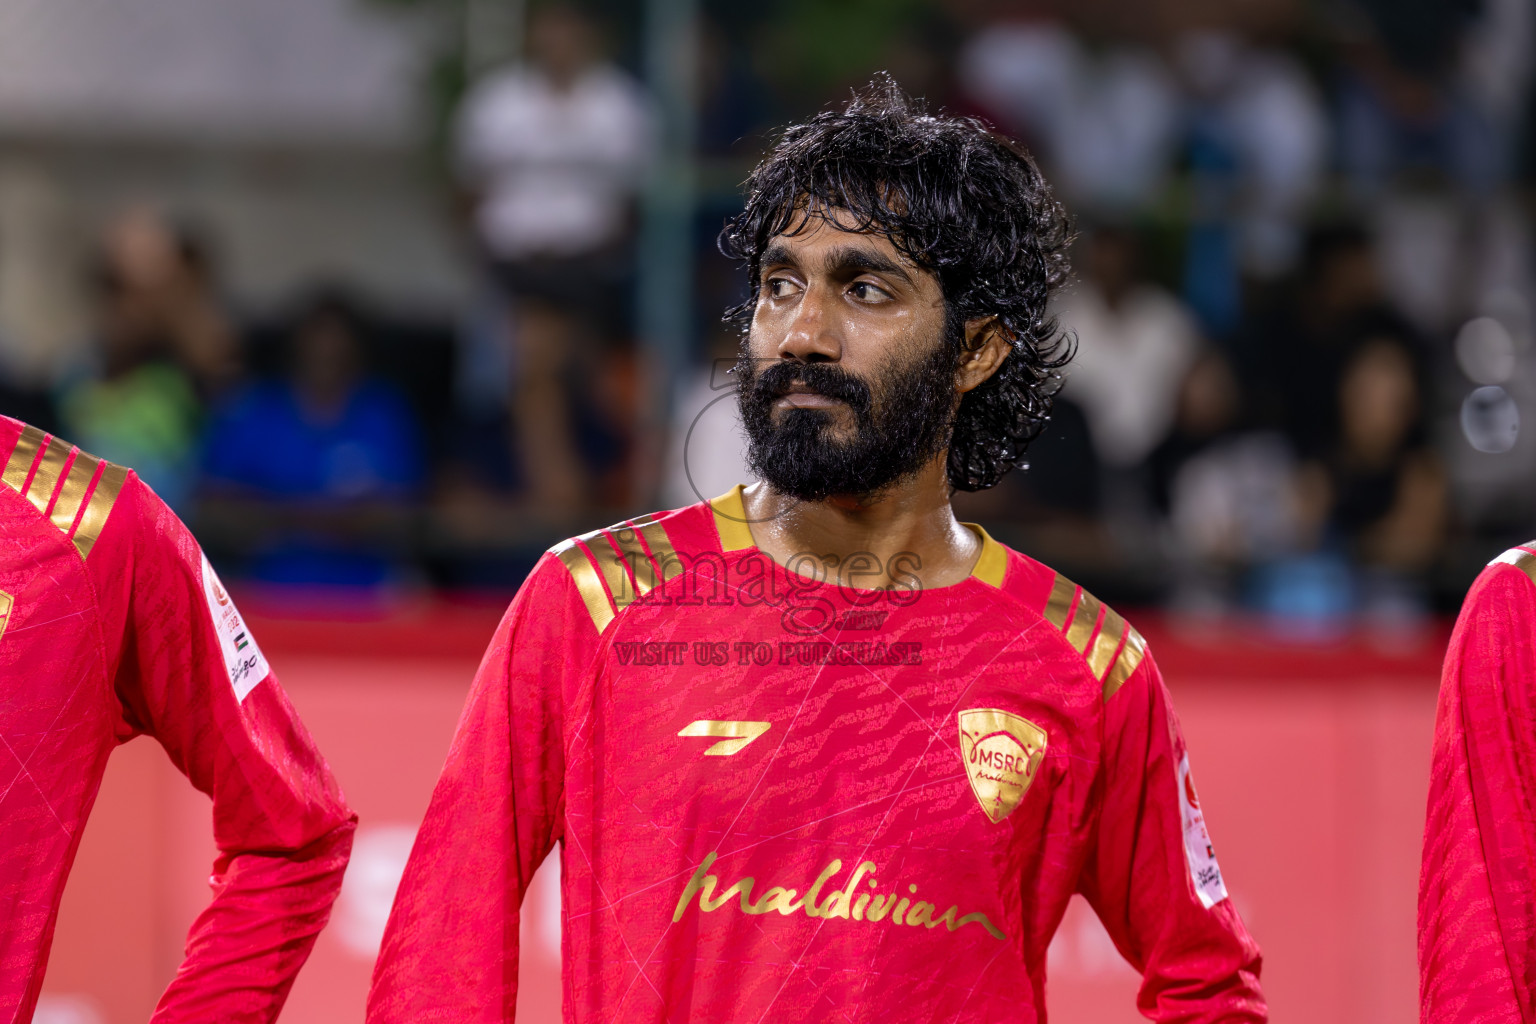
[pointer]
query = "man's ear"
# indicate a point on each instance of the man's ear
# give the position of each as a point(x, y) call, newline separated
point(986, 346)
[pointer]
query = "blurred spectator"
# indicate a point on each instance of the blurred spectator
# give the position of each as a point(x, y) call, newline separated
point(1135, 342)
point(1229, 493)
point(1400, 108)
point(706, 452)
point(1385, 484)
point(1105, 123)
point(313, 476)
point(1256, 146)
point(164, 345)
point(554, 151)
point(1302, 345)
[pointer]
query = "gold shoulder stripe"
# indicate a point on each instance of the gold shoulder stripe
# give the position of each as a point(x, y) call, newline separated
point(19, 465)
point(1060, 605)
point(98, 506)
point(1130, 656)
point(5, 611)
point(45, 478)
point(731, 521)
point(74, 490)
point(632, 556)
point(992, 563)
point(610, 567)
point(77, 482)
point(1103, 649)
point(616, 568)
point(663, 555)
point(1083, 621)
point(1522, 560)
point(588, 583)
point(1106, 643)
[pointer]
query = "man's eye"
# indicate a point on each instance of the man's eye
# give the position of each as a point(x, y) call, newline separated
point(778, 287)
point(867, 292)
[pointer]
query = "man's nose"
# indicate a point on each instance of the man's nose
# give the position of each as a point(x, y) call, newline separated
point(813, 335)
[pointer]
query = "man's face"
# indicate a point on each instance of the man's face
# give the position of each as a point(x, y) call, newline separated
point(848, 370)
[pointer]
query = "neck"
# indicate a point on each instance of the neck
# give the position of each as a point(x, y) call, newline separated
point(868, 542)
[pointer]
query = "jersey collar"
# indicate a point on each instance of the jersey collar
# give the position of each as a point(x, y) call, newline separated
point(735, 535)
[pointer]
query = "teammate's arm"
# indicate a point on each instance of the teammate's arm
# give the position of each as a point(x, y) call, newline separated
point(1152, 877)
point(282, 828)
point(450, 952)
point(1477, 926)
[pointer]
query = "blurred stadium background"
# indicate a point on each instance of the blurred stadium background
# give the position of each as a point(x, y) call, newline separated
point(386, 297)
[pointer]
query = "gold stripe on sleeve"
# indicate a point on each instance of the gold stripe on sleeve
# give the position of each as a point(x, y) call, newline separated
point(5, 611)
point(731, 521)
point(1106, 643)
point(992, 563)
point(1522, 560)
point(76, 482)
point(1130, 656)
point(46, 479)
point(98, 506)
point(588, 585)
point(1081, 630)
point(22, 457)
point(1060, 605)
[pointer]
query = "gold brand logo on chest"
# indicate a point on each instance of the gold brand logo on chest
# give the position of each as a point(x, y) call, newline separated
point(1002, 752)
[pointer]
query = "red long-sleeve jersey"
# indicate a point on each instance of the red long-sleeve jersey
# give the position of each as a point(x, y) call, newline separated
point(784, 800)
point(1477, 889)
point(113, 624)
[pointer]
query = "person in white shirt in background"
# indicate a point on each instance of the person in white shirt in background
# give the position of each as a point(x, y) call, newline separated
point(554, 151)
point(1136, 342)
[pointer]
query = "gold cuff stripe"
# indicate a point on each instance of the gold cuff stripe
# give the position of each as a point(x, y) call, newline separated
point(1087, 616)
point(588, 584)
point(98, 506)
point(22, 456)
point(731, 521)
point(77, 483)
point(1522, 560)
point(1106, 643)
point(1060, 605)
point(992, 563)
point(5, 611)
point(1130, 657)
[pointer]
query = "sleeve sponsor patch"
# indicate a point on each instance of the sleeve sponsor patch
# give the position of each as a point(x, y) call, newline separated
point(246, 664)
point(1204, 872)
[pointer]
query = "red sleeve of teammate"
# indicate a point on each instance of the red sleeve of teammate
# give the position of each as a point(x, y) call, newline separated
point(1152, 876)
point(1477, 918)
point(450, 952)
point(282, 828)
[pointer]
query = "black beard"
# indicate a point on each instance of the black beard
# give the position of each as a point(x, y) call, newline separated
point(893, 438)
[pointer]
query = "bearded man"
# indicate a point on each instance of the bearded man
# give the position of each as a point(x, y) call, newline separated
point(815, 750)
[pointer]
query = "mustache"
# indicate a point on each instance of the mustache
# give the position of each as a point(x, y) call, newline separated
point(765, 384)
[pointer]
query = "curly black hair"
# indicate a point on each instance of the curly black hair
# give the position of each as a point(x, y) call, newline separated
point(961, 201)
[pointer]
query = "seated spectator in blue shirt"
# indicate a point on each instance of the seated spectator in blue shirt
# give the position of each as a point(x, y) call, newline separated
point(315, 475)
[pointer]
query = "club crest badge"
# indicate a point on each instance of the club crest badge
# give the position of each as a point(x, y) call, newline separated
point(1001, 752)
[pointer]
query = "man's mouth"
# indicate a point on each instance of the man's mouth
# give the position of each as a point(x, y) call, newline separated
point(799, 396)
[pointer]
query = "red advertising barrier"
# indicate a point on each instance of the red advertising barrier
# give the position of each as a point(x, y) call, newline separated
point(1312, 765)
